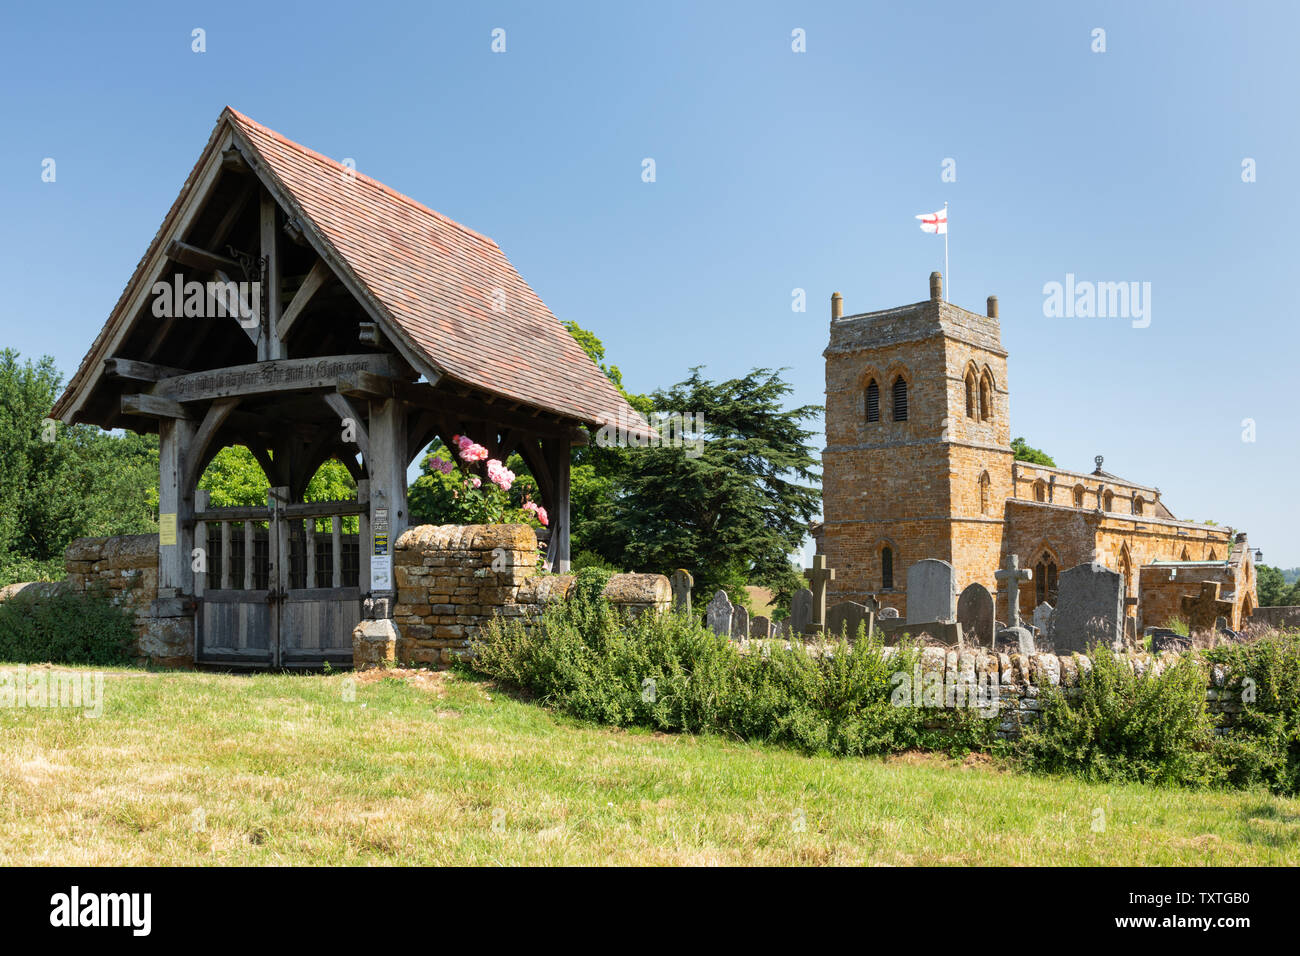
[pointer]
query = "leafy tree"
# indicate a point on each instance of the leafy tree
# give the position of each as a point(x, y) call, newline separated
point(61, 483)
point(1034, 456)
point(1271, 586)
point(732, 515)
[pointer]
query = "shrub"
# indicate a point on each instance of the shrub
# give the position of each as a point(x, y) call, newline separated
point(64, 627)
point(1261, 747)
point(1124, 727)
point(17, 569)
point(670, 673)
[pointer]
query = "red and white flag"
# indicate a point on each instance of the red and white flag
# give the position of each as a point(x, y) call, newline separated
point(935, 222)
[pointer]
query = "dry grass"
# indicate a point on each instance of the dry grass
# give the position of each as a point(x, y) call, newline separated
point(434, 769)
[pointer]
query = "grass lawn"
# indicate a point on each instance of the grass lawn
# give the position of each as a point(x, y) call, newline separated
point(422, 768)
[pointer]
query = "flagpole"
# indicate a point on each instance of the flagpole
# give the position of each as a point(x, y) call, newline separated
point(946, 276)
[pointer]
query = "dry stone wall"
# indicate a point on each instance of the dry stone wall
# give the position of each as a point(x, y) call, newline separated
point(453, 579)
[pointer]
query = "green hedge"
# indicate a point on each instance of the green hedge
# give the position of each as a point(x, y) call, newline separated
point(64, 627)
point(668, 672)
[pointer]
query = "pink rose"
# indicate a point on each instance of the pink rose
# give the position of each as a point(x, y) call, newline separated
point(500, 474)
point(541, 516)
point(475, 480)
point(470, 451)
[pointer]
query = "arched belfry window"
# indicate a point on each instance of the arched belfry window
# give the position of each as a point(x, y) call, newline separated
point(1108, 501)
point(984, 493)
point(1040, 490)
point(900, 399)
point(886, 568)
point(1078, 496)
point(970, 393)
point(986, 397)
point(1137, 505)
point(873, 401)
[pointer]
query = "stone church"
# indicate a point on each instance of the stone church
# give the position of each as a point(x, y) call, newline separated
point(918, 464)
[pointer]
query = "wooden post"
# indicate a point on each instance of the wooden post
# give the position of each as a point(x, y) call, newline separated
point(200, 541)
point(557, 462)
point(363, 536)
point(175, 509)
point(309, 550)
point(226, 563)
point(250, 549)
point(387, 464)
point(278, 555)
point(269, 345)
point(336, 549)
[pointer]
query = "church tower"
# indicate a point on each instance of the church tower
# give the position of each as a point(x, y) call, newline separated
point(918, 455)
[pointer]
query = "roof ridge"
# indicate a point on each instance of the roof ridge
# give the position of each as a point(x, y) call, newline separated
point(308, 151)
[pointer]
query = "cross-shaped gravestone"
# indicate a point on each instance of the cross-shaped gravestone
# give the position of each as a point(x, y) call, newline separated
point(1011, 576)
point(682, 582)
point(1202, 610)
point(818, 577)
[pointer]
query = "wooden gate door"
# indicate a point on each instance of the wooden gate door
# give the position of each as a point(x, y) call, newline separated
point(320, 594)
point(282, 587)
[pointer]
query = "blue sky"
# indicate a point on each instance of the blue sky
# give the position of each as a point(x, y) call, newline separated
point(775, 170)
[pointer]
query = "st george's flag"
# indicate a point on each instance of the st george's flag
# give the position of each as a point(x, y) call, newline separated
point(935, 222)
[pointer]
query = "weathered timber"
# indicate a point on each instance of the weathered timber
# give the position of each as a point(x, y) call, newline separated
point(281, 375)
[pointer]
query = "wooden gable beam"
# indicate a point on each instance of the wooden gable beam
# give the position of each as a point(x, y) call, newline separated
point(281, 375)
point(150, 406)
point(269, 345)
point(215, 417)
point(139, 371)
point(316, 278)
point(189, 255)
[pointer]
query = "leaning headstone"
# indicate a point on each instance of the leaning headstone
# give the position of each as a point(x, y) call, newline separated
point(975, 614)
point(681, 583)
point(760, 628)
point(740, 622)
point(718, 614)
point(843, 620)
point(1089, 609)
point(944, 632)
point(931, 591)
point(1015, 640)
point(801, 612)
point(819, 576)
point(1012, 576)
point(1041, 614)
point(1163, 639)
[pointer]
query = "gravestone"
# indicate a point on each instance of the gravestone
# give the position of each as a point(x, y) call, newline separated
point(818, 577)
point(1016, 640)
point(1041, 614)
point(975, 614)
point(740, 622)
point(931, 591)
point(1012, 576)
point(843, 620)
point(760, 628)
point(1163, 639)
point(888, 613)
point(1089, 609)
point(945, 632)
point(801, 612)
point(718, 614)
point(681, 582)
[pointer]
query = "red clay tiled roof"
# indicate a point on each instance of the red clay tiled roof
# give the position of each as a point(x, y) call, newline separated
point(437, 281)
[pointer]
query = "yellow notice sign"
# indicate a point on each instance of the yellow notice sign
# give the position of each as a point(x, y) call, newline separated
point(167, 528)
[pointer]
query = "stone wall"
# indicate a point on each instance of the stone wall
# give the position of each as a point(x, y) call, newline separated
point(1287, 616)
point(125, 569)
point(1008, 687)
point(453, 579)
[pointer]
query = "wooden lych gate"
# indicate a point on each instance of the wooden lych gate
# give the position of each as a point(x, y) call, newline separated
point(290, 305)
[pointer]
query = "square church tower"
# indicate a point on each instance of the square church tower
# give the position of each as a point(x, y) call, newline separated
point(918, 460)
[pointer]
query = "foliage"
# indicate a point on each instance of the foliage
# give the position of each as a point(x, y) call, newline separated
point(732, 514)
point(64, 627)
point(463, 492)
point(1273, 587)
point(1035, 456)
point(1124, 727)
point(669, 673)
point(63, 482)
point(1262, 746)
